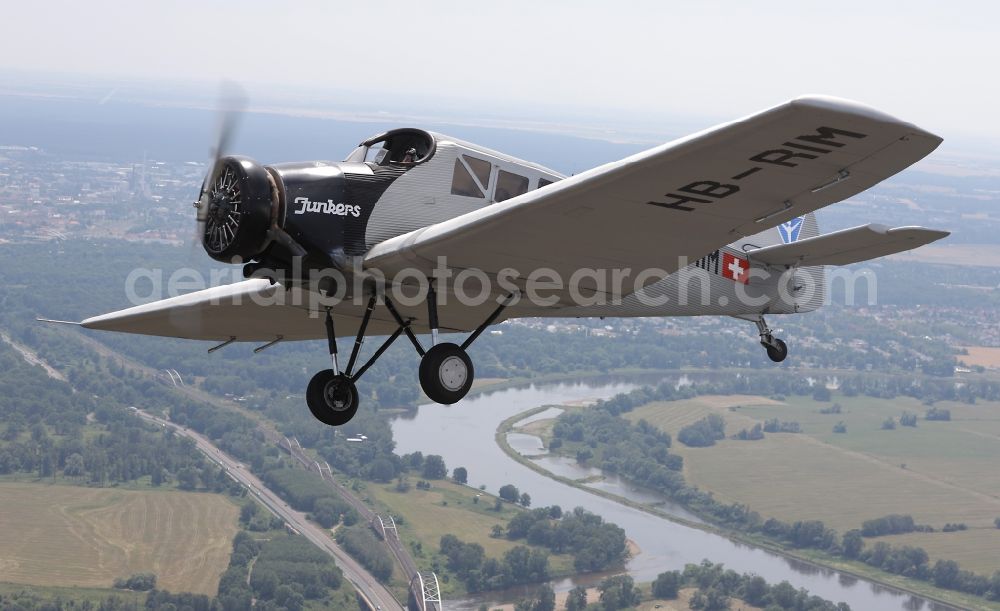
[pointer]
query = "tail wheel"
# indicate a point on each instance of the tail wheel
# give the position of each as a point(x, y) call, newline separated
point(332, 398)
point(446, 373)
point(777, 350)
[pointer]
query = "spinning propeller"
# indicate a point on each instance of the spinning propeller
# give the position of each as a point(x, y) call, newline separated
point(220, 203)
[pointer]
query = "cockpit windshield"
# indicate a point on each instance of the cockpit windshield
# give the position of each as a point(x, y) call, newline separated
point(406, 146)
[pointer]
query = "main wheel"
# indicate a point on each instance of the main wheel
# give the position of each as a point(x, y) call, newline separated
point(777, 351)
point(446, 373)
point(332, 398)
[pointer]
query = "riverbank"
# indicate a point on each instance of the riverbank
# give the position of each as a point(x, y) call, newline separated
point(818, 560)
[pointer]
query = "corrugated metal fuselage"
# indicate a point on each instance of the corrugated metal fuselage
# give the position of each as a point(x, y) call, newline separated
point(422, 196)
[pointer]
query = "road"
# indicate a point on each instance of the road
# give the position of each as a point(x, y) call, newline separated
point(377, 594)
point(395, 545)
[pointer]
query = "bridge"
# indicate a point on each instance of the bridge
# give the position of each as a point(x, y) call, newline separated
point(425, 592)
point(385, 527)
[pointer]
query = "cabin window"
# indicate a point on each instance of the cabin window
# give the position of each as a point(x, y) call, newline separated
point(510, 185)
point(462, 183)
point(480, 168)
point(544, 182)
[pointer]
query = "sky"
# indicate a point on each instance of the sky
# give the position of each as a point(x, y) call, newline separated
point(933, 63)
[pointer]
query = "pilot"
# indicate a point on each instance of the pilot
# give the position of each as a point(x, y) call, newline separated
point(411, 155)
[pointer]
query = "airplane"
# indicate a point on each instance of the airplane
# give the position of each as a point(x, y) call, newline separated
point(387, 241)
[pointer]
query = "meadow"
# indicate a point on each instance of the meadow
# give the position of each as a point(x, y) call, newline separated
point(938, 472)
point(71, 536)
point(448, 508)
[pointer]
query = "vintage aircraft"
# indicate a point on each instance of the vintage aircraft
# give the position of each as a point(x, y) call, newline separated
point(388, 241)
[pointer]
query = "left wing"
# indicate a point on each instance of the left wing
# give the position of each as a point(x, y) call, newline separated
point(674, 203)
point(251, 310)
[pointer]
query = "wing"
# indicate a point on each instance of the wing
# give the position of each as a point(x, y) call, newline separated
point(252, 310)
point(674, 203)
point(847, 246)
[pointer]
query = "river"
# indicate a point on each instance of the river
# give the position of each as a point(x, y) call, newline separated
point(463, 434)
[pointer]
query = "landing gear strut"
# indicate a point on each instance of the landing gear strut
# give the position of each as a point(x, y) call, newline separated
point(332, 395)
point(446, 371)
point(776, 349)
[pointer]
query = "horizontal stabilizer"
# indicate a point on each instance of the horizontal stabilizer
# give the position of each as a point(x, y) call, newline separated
point(847, 246)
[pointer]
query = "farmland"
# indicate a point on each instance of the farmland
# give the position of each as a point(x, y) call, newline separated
point(938, 472)
point(981, 356)
point(87, 537)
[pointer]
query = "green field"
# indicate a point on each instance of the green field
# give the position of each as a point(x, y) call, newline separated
point(938, 472)
point(428, 518)
point(87, 537)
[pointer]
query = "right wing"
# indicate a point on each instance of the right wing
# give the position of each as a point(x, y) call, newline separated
point(674, 202)
point(847, 246)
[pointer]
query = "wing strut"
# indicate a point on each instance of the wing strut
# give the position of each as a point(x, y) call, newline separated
point(489, 321)
point(232, 338)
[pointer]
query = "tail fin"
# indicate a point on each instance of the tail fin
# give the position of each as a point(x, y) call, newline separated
point(788, 234)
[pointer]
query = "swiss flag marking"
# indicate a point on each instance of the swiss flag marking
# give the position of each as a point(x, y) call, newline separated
point(735, 268)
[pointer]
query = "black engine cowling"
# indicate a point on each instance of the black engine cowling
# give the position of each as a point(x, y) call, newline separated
point(241, 204)
point(273, 214)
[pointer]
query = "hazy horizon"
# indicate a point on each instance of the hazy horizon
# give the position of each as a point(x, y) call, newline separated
point(668, 66)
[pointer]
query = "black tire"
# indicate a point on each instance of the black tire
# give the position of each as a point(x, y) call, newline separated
point(446, 373)
point(778, 351)
point(332, 398)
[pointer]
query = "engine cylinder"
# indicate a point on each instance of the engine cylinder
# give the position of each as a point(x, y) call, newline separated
point(240, 203)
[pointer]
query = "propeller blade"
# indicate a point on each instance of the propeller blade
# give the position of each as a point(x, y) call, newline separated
point(232, 105)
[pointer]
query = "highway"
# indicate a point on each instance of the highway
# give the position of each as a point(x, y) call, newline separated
point(392, 541)
point(377, 595)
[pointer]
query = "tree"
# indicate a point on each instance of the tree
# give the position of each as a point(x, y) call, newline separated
point(289, 598)
point(264, 583)
point(704, 432)
point(460, 475)
point(74, 465)
point(938, 413)
point(755, 591)
point(840, 427)
point(525, 499)
point(822, 393)
point(546, 599)
point(711, 599)
point(248, 511)
point(577, 599)
point(434, 467)
point(945, 573)
point(509, 493)
point(667, 584)
point(853, 543)
point(187, 479)
point(618, 592)
point(888, 424)
point(381, 470)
